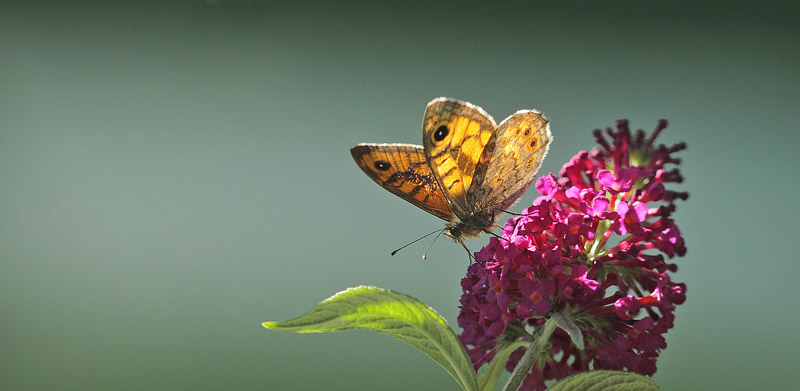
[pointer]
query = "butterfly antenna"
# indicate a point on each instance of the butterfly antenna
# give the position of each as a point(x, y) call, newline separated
point(425, 254)
point(417, 240)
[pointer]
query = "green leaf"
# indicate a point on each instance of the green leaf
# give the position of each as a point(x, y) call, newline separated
point(605, 381)
point(571, 328)
point(392, 313)
point(488, 379)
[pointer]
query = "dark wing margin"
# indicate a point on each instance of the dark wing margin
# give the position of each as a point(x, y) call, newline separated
point(403, 170)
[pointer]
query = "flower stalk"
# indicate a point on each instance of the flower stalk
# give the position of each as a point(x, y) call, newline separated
point(530, 357)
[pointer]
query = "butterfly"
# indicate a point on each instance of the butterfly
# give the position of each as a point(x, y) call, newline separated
point(468, 170)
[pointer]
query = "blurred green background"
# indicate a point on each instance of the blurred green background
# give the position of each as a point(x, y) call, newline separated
point(173, 174)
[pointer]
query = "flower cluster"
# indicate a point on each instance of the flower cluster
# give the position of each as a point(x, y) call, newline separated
point(594, 248)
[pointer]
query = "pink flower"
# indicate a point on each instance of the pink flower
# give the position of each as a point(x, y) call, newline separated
point(619, 182)
point(561, 255)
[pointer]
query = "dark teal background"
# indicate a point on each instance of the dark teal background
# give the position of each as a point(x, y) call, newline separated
point(172, 175)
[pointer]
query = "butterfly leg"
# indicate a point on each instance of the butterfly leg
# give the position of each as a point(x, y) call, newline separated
point(469, 253)
point(504, 239)
point(509, 212)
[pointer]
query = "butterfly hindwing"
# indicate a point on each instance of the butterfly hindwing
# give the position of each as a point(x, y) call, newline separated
point(403, 170)
point(454, 135)
point(511, 160)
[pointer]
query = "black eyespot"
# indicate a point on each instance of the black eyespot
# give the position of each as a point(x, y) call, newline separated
point(533, 143)
point(382, 165)
point(441, 133)
point(527, 131)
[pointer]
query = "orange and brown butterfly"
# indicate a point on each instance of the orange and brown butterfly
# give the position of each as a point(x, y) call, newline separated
point(468, 170)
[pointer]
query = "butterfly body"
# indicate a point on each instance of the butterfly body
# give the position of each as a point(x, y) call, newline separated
point(469, 226)
point(468, 170)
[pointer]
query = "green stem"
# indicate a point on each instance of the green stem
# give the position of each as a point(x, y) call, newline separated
point(526, 362)
point(599, 239)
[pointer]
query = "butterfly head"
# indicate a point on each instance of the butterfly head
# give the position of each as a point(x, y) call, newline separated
point(469, 226)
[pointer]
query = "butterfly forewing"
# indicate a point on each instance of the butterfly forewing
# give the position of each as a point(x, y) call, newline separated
point(403, 170)
point(454, 135)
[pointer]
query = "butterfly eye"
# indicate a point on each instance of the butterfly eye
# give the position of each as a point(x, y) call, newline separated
point(440, 133)
point(382, 165)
